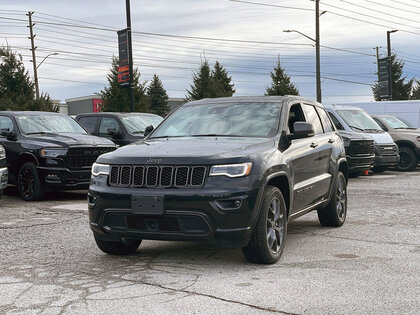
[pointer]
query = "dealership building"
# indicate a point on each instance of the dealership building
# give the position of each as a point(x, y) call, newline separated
point(93, 103)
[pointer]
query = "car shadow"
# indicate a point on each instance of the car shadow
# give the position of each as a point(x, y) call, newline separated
point(67, 195)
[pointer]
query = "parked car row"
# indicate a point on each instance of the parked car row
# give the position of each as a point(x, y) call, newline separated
point(395, 143)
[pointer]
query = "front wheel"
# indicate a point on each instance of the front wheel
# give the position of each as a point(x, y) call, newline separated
point(267, 241)
point(334, 214)
point(408, 160)
point(123, 247)
point(29, 184)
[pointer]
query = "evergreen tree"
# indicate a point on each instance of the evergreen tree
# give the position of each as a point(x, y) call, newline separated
point(221, 82)
point(117, 98)
point(401, 88)
point(158, 98)
point(16, 87)
point(201, 87)
point(281, 83)
point(415, 95)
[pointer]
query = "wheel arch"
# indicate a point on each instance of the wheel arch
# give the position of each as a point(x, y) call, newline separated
point(406, 143)
point(24, 158)
point(281, 181)
point(343, 167)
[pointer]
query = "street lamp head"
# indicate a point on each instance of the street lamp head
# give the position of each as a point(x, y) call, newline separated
point(393, 31)
point(287, 31)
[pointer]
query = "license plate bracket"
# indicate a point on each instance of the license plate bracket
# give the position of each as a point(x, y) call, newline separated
point(151, 205)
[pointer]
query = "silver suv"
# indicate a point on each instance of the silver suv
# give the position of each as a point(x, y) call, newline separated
point(406, 136)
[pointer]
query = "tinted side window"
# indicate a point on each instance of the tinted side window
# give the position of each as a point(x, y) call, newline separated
point(89, 123)
point(325, 119)
point(107, 123)
point(295, 114)
point(336, 122)
point(313, 118)
point(6, 123)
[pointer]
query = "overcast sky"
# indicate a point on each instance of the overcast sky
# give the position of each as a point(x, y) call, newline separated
point(85, 54)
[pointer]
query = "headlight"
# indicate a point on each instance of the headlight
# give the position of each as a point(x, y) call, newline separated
point(100, 169)
point(346, 141)
point(2, 153)
point(52, 153)
point(231, 170)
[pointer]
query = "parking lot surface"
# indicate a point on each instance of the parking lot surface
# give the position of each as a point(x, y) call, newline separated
point(49, 263)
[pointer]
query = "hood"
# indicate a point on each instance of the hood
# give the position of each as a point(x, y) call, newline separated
point(198, 150)
point(381, 138)
point(65, 140)
point(410, 132)
point(354, 135)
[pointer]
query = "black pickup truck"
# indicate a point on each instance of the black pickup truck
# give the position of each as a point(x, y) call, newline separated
point(48, 151)
point(229, 171)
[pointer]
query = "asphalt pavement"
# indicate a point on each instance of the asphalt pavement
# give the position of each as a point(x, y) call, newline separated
point(49, 262)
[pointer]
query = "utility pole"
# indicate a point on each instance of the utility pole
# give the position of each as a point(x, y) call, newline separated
point(29, 14)
point(130, 54)
point(388, 38)
point(318, 54)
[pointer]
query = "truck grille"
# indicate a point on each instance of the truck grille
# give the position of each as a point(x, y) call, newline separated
point(86, 156)
point(360, 147)
point(152, 176)
point(390, 149)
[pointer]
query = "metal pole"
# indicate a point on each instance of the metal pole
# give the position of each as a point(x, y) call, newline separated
point(318, 54)
point(130, 54)
point(33, 53)
point(388, 37)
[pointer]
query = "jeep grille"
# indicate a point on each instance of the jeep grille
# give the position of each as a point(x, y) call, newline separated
point(153, 176)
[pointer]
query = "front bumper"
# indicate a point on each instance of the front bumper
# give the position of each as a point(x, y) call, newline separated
point(386, 160)
point(360, 163)
point(190, 214)
point(64, 178)
point(4, 173)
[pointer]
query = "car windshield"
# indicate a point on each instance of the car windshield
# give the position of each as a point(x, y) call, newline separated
point(138, 123)
point(396, 123)
point(228, 119)
point(40, 124)
point(359, 120)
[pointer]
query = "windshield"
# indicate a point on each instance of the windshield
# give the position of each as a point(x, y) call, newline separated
point(359, 120)
point(34, 124)
point(138, 123)
point(396, 123)
point(232, 119)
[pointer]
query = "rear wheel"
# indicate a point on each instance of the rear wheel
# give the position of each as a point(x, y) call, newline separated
point(408, 160)
point(267, 241)
point(29, 184)
point(334, 214)
point(123, 247)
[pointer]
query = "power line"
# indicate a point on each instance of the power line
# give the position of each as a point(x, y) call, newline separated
point(392, 7)
point(410, 5)
point(272, 5)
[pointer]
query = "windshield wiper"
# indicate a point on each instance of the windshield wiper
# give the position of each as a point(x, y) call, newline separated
point(406, 128)
point(375, 130)
point(357, 128)
point(135, 132)
point(38, 133)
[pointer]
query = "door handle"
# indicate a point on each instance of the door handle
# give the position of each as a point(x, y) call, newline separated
point(331, 140)
point(314, 145)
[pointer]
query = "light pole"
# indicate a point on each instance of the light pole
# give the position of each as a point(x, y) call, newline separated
point(388, 38)
point(318, 63)
point(52, 54)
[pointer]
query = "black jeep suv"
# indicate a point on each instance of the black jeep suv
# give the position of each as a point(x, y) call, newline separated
point(48, 151)
point(229, 171)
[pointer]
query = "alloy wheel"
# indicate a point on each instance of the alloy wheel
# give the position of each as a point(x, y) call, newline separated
point(27, 182)
point(275, 226)
point(341, 199)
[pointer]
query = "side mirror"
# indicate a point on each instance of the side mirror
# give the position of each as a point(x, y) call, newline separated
point(302, 130)
point(10, 135)
point(114, 133)
point(148, 130)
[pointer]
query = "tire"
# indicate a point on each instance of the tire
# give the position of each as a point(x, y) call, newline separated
point(123, 247)
point(379, 169)
point(267, 240)
point(335, 213)
point(29, 184)
point(408, 160)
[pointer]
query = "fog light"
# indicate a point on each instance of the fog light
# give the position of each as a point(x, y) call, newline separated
point(229, 204)
point(53, 178)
